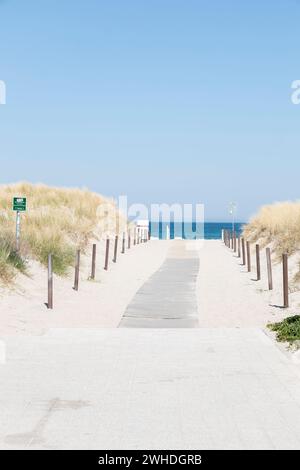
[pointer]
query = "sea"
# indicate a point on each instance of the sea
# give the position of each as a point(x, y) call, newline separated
point(192, 230)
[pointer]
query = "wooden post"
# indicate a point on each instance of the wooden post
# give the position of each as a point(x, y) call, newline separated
point(234, 242)
point(243, 251)
point(50, 283)
point(149, 235)
point(93, 272)
point(285, 281)
point(258, 263)
point(138, 236)
point(129, 240)
point(248, 257)
point(269, 267)
point(77, 264)
point(134, 237)
point(239, 247)
point(116, 249)
point(106, 254)
point(123, 244)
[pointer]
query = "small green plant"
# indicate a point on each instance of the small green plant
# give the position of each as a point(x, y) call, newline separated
point(288, 329)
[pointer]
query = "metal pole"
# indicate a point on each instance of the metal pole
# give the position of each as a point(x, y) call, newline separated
point(258, 263)
point(285, 281)
point(106, 254)
point(269, 267)
point(18, 230)
point(77, 264)
point(50, 283)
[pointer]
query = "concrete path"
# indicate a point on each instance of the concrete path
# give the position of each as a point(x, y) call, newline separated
point(149, 388)
point(168, 299)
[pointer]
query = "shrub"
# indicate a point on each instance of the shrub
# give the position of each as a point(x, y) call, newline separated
point(288, 329)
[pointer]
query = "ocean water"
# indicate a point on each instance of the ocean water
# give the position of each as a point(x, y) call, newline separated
point(192, 230)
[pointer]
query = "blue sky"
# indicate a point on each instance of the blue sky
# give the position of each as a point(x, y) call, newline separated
point(165, 101)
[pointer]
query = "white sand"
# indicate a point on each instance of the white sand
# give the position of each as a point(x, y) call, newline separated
point(229, 296)
point(98, 303)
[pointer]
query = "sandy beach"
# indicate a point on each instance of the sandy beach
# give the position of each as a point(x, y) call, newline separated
point(99, 303)
point(229, 296)
point(226, 295)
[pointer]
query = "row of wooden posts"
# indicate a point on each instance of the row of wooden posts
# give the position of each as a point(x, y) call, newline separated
point(140, 236)
point(243, 249)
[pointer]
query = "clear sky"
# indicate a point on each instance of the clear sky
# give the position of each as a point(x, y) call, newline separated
point(162, 100)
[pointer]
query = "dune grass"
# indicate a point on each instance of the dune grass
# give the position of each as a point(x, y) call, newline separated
point(278, 224)
point(58, 221)
point(287, 330)
point(10, 260)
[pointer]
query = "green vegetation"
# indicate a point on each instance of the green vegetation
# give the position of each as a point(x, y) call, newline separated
point(10, 260)
point(288, 329)
point(58, 221)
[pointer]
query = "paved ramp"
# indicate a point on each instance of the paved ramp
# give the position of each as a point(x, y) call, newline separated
point(168, 299)
point(131, 388)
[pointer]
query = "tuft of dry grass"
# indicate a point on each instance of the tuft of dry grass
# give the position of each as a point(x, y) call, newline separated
point(10, 260)
point(58, 221)
point(278, 224)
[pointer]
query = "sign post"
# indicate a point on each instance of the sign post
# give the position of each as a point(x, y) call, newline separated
point(19, 205)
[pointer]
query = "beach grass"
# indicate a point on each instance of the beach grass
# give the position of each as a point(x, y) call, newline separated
point(287, 330)
point(278, 224)
point(10, 260)
point(58, 221)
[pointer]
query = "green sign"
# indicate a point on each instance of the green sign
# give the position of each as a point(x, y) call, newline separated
point(19, 204)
